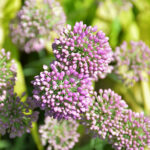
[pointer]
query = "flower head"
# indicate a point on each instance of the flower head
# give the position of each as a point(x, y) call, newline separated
point(60, 135)
point(134, 131)
point(86, 50)
point(102, 117)
point(16, 116)
point(7, 73)
point(109, 118)
point(35, 21)
point(62, 92)
point(132, 61)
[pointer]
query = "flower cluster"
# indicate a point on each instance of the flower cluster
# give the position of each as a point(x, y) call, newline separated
point(102, 117)
point(109, 118)
point(34, 23)
point(132, 61)
point(7, 74)
point(84, 49)
point(60, 135)
point(16, 116)
point(133, 132)
point(62, 92)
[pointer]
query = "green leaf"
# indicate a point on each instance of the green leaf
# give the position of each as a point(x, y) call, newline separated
point(20, 86)
point(4, 144)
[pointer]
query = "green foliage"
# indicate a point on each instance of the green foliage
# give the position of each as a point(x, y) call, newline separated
point(80, 10)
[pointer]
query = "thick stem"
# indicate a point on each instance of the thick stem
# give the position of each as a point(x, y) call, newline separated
point(93, 84)
point(129, 98)
point(146, 94)
point(36, 137)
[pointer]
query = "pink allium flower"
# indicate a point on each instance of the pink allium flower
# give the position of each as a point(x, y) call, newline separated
point(109, 118)
point(62, 92)
point(84, 49)
point(16, 116)
point(7, 74)
point(132, 61)
point(102, 117)
point(134, 131)
point(34, 23)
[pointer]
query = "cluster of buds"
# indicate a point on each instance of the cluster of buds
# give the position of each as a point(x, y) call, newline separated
point(133, 133)
point(16, 116)
point(60, 135)
point(102, 117)
point(31, 30)
point(7, 74)
point(62, 92)
point(132, 61)
point(84, 49)
point(109, 118)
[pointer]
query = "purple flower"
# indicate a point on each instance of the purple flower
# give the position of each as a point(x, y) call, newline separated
point(102, 117)
point(132, 61)
point(15, 115)
point(60, 135)
point(109, 118)
point(62, 92)
point(134, 131)
point(7, 74)
point(34, 22)
point(84, 49)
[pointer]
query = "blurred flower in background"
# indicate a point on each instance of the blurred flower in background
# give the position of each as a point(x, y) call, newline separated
point(31, 29)
point(133, 61)
point(16, 116)
point(7, 74)
point(59, 135)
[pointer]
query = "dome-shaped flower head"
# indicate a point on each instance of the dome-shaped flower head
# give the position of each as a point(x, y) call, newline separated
point(109, 118)
point(60, 135)
point(62, 92)
point(134, 131)
point(16, 116)
point(102, 117)
point(7, 73)
point(85, 49)
point(34, 23)
point(132, 61)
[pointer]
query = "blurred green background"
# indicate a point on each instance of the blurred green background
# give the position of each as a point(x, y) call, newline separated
point(120, 21)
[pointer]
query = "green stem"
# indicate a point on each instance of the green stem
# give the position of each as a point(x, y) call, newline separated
point(129, 98)
point(146, 94)
point(36, 137)
point(93, 84)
